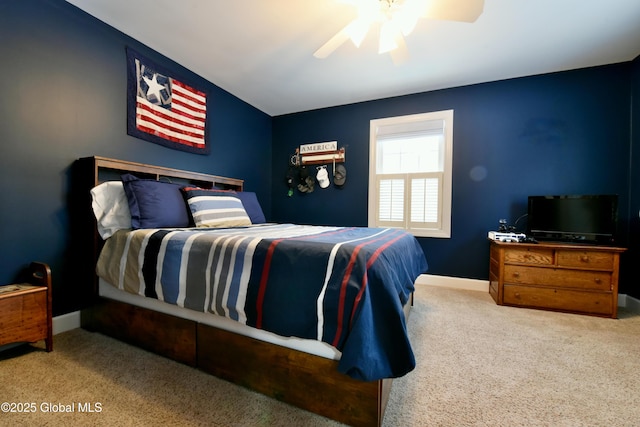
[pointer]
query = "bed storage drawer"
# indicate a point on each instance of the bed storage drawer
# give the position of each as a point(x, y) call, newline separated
point(176, 340)
point(295, 377)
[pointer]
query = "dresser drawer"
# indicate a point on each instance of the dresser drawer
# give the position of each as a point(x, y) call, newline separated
point(559, 299)
point(552, 277)
point(585, 259)
point(529, 256)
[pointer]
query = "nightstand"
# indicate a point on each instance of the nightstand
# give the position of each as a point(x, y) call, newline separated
point(25, 308)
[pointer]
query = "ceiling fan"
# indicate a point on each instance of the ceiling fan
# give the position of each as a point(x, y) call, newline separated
point(397, 19)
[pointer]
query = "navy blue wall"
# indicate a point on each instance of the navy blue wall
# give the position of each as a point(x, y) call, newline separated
point(63, 85)
point(631, 269)
point(561, 133)
point(63, 80)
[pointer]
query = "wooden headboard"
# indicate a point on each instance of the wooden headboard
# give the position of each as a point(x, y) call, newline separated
point(105, 169)
point(91, 171)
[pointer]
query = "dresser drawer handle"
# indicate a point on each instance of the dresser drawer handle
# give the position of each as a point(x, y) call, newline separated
point(598, 280)
point(584, 258)
point(516, 274)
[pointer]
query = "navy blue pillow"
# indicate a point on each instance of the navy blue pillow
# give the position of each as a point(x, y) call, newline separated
point(252, 206)
point(155, 204)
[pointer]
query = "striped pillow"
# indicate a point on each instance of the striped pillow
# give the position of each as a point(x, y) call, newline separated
point(215, 208)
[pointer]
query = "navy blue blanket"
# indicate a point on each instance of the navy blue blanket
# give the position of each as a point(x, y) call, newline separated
point(344, 286)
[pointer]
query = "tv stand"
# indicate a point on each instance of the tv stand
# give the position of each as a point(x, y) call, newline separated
point(572, 278)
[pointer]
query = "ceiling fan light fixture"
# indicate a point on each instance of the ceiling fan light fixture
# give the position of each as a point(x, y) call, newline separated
point(368, 13)
point(410, 13)
point(398, 18)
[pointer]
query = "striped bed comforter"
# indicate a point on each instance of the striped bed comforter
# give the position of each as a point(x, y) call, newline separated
point(344, 286)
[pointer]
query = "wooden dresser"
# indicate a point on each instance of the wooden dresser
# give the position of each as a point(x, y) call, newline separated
point(554, 276)
point(25, 308)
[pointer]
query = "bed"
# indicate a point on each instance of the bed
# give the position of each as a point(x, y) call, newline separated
point(313, 316)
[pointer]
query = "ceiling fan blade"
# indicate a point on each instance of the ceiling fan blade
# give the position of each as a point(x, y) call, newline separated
point(400, 55)
point(333, 43)
point(388, 37)
point(455, 10)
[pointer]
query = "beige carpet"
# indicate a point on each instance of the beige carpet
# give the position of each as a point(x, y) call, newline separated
point(478, 365)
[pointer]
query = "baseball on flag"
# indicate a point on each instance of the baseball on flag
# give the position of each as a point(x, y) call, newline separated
point(164, 109)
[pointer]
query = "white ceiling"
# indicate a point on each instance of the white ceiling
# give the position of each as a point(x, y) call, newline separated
point(262, 50)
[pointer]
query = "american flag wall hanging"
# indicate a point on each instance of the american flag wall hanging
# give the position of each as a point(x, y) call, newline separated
point(164, 109)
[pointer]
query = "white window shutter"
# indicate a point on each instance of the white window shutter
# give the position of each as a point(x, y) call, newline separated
point(391, 200)
point(425, 201)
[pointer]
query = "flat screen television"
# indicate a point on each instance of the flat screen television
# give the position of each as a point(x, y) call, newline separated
point(591, 219)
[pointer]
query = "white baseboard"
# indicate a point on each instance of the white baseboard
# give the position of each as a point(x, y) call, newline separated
point(630, 303)
point(453, 282)
point(66, 322)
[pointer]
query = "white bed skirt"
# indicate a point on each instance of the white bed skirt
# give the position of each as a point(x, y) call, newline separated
point(317, 348)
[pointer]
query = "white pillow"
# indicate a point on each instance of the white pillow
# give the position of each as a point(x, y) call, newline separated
point(111, 208)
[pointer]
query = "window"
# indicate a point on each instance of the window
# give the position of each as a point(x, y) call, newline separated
point(410, 173)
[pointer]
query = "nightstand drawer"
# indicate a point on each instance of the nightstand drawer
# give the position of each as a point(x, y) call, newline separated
point(585, 259)
point(529, 256)
point(559, 299)
point(552, 277)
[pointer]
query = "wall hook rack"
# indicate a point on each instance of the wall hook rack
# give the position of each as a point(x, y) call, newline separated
point(319, 158)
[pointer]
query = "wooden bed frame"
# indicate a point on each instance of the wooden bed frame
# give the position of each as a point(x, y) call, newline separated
point(304, 380)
